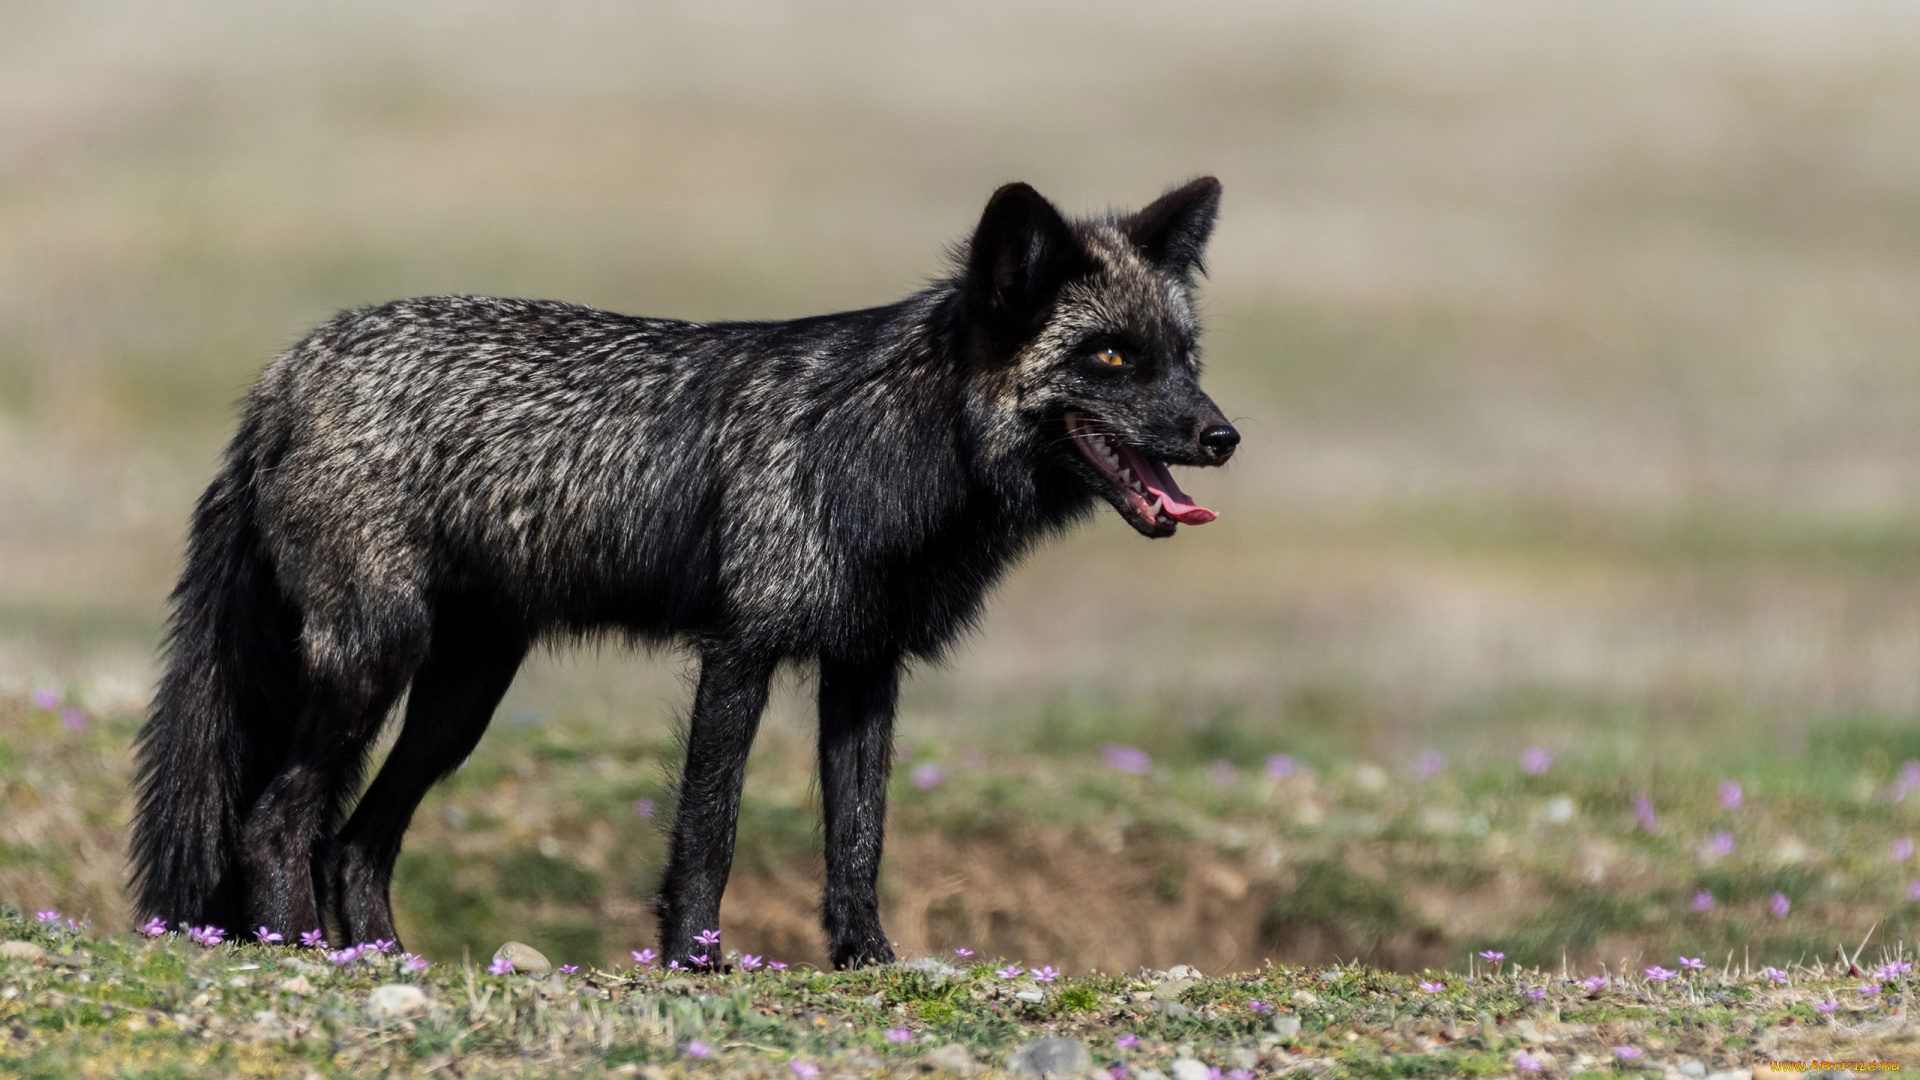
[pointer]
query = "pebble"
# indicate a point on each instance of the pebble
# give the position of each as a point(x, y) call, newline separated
point(1287, 1027)
point(1244, 1057)
point(395, 1000)
point(1033, 996)
point(527, 960)
point(1054, 1057)
point(1182, 971)
point(1189, 1069)
point(1302, 997)
point(21, 950)
point(296, 985)
point(949, 1057)
point(1172, 989)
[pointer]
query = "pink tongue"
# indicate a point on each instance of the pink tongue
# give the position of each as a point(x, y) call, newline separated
point(1158, 480)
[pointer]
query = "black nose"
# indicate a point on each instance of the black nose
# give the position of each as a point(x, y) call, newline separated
point(1219, 441)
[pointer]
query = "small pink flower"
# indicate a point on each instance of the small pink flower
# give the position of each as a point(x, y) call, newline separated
point(1280, 766)
point(73, 719)
point(963, 953)
point(1537, 993)
point(381, 945)
point(413, 962)
point(748, 962)
point(775, 965)
point(1693, 964)
point(46, 699)
point(899, 1035)
point(928, 776)
point(47, 916)
point(1703, 901)
point(804, 1070)
point(1731, 796)
point(1127, 1041)
point(1259, 1006)
point(1721, 844)
point(1592, 984)
point(1643, 812)
point(1913, 889)
point(1780, 905)
point(1627, 1053)
point(501, 966)
point(1045, 974)
point(1869, 988)
point(1527, 1062)
point(1902, 849)
point(699, 959)
point(268, 937)
point(698, 1049)
point(1433, 987)
point(1492, 956)
point(1827, 1006)
point(643, 808)
point(644, 956)
point(1126, 758)
point(314, 939)
point(153, 927)
point(1011, 971)
point(1656, 973)
point(674, 965)
point(1775, 974)
point(206, 936)
point(1431, 763)
point(569, 969)
point(1535, 760)
point(708, 937)
point(351, 953)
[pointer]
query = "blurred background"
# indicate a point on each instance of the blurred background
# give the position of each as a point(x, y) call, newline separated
point(1574, 346)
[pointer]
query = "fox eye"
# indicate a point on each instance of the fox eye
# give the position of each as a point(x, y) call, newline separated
point(1110, 358)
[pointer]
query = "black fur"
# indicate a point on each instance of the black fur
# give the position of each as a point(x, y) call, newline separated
point(421, 490)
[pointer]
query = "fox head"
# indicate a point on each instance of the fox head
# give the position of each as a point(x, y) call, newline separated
point(1089, 330)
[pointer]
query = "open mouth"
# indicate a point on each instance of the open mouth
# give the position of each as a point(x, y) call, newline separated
point(1147, 495)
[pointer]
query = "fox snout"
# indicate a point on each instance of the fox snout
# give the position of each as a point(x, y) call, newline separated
point(1217, 442)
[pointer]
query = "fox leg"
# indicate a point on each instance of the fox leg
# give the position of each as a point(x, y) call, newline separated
point(449, 705)
point(726, 714)
point(856, 754)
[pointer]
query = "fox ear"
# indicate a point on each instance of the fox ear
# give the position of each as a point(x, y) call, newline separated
point(1022, 252)
point(1173, 229)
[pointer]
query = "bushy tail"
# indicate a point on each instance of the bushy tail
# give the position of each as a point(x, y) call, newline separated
point(219, 723)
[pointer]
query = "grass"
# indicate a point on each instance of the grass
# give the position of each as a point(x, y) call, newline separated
point(127, 1005)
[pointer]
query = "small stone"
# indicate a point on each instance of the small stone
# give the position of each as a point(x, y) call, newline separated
point(527, 960)
point(1301, 997)
point(395, 1000)
point(1244, 1057)
point(21, 950)
point(933, 967)
point(1172, 989)
point(949, 1057)
point(296, 985)
point(1693, 1069)
point(1149, 1074)
point(1034, 997)
point(1053, 1057)
point(1189, 1069)
point(302, 967)
point(1182, 971)
point(1287, 1027)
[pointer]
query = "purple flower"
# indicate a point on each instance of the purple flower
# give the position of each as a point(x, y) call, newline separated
point(501, 966)
point(1527, 1062)
point(1893, 970)
point(206, 936)
point(1011, 971)
point(1656, 973)
point(569, 969)
point(1627, 1053)
point(314, 939)
point(1780, 905)
point(899, 1035)
point(803, 1069)
point(382, 944)
point(1126, 758)
point(1491, 956)
point(268, 937)
point(1127, 1041)
point(699, 959)
point(963, 953)
point(1643, 811)
point(698, 1049)
point(47, 916)
point(1721, 845)
point(1869, 988)
point(1592, 984)
point(1045, 974)
point(644, 956)
point(153, 927)
point(1537, 993)
point(1902, 849)
point(413, 962)
point(73, 719)
point(1222, 773)
point(1731, 796)
point(1259, 1006)
point(929, 776)
point(1775, 974)
point(1431, 763)
point(351, 953)
point(46, 699)
point(1913, 889)
point(1535, 760)
point(1433, 987)
point(643, 808)
point(1703, 901)
point(1827, 1006)
point(748, 962)
point(1693, 964)
point(708, 937)
point(1279, 766)
point(775, 965)
point(1238, 1074)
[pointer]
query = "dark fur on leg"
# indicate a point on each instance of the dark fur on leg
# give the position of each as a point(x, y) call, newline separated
point(856, 757)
